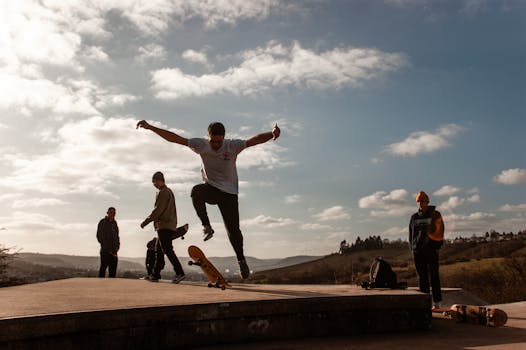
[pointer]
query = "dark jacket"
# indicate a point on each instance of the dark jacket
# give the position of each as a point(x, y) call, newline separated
point(426, 230)
point(108, 236)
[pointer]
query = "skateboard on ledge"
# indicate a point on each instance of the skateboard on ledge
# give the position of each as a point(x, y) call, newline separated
point(482, 315)
point(214, 276)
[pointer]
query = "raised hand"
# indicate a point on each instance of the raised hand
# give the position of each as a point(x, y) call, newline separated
point(276, 131)
point(143, 124)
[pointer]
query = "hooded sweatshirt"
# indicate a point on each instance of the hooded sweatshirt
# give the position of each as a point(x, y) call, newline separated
point(426, 230)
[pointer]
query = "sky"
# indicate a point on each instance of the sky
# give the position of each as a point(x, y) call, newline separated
point(376, 101)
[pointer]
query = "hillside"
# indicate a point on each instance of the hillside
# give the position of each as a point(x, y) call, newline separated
point(36, 267)
point(495, 271)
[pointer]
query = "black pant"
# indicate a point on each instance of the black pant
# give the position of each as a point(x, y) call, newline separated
point(229, 208)
point(165, 239)
point(426, 263)
point(108, 261)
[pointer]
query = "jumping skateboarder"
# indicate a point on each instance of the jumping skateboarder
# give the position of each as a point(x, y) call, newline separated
point(426, 236)
point(219, 172)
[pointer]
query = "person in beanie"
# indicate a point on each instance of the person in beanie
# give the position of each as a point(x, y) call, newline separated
point(219, 173)
point(426, 236)
point(164, 217)
point(108, 237)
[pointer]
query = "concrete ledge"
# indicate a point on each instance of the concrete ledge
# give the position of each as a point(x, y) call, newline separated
point(245, 313)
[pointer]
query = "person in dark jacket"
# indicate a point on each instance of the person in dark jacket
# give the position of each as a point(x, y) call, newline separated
point(154, 259)
point(426, 236)
point(108, 237)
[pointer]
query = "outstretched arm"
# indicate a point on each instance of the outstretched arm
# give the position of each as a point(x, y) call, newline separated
point(165, 134)
point(264, 137)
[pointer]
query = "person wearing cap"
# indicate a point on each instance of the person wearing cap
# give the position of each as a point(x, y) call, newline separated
point(164, 217)
point(219, 173)
point(108, 237)
point(426, 236)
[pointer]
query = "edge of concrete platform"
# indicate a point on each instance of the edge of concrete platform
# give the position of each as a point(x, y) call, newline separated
point(163, 327)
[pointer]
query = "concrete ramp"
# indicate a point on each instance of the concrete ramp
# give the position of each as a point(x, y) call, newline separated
point(92, 313)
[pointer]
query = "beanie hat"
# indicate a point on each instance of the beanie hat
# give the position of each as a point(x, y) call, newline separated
point(422, 197)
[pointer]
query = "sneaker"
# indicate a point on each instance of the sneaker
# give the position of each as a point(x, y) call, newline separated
point(178, 278)
point(436, 306)
point(208, 232)
point(154, 279)
point(243, 267)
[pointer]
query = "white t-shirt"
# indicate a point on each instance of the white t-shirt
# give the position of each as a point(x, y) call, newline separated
point(218, 168)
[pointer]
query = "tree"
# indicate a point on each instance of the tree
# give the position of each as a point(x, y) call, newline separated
point(5, 260)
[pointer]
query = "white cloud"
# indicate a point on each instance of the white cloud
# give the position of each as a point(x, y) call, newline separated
point(96, 53)
point(315, 227)
point(452, 203)
point(276, 65)
point(519, 208)
point(384, 204)
point(394, 232)
point(267, 221)
point(37, 202)
point(293, 198)
point(511, 177)
point(478, 222)
point(382, 199)
point(151, 52)
point(422, 142)
point(474, 198)
point(82, 151)
point(446, 190)
point(195, 56)
point(334, 213)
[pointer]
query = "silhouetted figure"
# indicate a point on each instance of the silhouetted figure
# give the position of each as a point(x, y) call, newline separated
point(426, 236)
point(219, 172)
point(108, 237)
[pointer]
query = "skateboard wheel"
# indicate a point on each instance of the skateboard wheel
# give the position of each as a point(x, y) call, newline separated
point(190, 263)
point(223, 287)
point(182, 237)
point(210, 285)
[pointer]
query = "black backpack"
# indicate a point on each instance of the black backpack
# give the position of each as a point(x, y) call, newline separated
point(382, 275)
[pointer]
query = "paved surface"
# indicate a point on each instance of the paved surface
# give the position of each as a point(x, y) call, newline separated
point(81, 294)
point(89, 294)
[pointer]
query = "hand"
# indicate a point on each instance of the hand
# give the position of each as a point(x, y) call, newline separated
point(143, 124)
point(275, 131)
point(142, 225)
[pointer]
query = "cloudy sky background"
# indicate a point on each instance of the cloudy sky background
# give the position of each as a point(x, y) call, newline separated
point(376, 100)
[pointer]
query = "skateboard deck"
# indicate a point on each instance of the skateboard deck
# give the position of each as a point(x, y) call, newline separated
point(487, 316)
point(180, 232)
point(214, 276)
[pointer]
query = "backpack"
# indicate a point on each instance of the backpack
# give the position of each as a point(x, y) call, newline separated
point(381, 275)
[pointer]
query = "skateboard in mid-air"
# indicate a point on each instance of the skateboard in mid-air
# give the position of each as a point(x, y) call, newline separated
point(214, 276)
point(482, 315)
point(180, 232)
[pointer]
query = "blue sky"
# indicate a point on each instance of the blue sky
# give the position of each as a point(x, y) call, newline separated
point(376, 100)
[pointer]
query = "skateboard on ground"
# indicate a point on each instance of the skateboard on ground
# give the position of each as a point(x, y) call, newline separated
point(486, 316)
point(214, 276)
point(180, 232)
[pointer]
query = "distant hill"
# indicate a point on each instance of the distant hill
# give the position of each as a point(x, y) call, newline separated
point(227, 265)
point(494, 271)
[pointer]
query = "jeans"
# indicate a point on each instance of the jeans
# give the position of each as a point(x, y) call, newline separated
point(165, 239)
point(229, 208)
point(426, 263)
point(108, 261)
